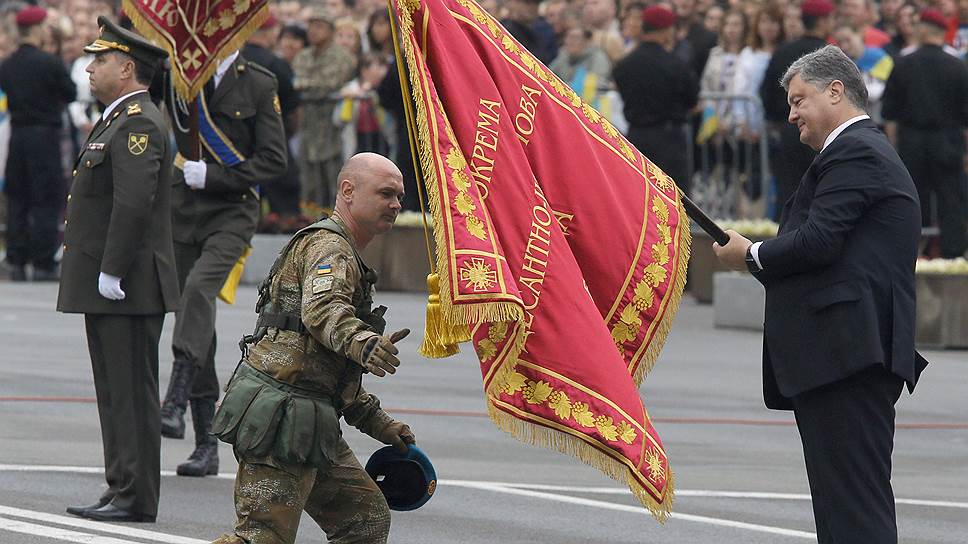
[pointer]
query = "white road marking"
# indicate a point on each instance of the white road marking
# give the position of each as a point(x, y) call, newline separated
point(90, 525)
point(635, 509)
point(57, 533)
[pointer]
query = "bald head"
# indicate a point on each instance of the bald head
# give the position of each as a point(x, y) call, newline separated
point(370, 189)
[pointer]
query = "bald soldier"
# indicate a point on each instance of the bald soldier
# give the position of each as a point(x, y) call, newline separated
point(302, 370)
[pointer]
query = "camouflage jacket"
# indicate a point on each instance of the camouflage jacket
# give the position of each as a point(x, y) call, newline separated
point(320, 280)
point(318, 77)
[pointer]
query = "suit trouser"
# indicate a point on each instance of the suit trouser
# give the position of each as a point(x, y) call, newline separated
point(342, 499)
point(935, 160)
point(202, 270)
point(124, 357)
point(847, 430)
point(35, 195)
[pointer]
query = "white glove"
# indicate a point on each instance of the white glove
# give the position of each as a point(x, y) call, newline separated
point(195, 174)
point(110, 287)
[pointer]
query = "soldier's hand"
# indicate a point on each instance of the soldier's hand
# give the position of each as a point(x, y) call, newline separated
point(110, 287)
point(194, 172)
point(375, 353)
point(398, 435)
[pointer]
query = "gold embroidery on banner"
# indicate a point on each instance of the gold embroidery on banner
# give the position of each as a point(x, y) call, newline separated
point(190, 58)
point(478, 275)
point(654, 275)
point(540, 392)
point(656, 467)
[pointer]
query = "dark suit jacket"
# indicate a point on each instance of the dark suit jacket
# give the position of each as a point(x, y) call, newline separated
point(839, 276)
point(119, 218)
point(246, 108)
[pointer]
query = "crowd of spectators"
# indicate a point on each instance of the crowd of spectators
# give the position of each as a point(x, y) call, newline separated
point(346, 98)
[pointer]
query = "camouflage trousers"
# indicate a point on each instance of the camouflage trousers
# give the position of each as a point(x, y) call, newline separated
point(342, 499)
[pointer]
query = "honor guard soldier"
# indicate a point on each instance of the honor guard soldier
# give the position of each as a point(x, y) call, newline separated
point(302, 370)
point(659, 90)
point(38, 89)
point(215, 209)
point(118, 267)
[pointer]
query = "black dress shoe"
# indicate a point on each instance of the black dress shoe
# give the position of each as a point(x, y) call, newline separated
point(110, 512)
point(79, 510)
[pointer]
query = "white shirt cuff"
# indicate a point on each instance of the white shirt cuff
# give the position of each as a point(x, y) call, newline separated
point(755, 252)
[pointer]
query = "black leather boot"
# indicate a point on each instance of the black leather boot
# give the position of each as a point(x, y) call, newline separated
point(204, 460)
point(176, 399)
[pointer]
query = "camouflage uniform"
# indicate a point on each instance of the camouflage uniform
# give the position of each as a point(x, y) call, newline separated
point(319, 279)
point(318, 77)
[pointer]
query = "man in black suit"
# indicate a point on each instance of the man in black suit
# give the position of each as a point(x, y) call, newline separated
point(119, 267)
point(840, 299)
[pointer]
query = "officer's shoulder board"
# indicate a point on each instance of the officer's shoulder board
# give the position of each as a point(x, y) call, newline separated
point(256, 67)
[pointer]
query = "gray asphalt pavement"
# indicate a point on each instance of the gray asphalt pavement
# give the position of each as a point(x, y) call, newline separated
point(738, 466)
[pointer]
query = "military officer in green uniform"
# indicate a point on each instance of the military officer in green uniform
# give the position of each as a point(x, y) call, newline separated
point(315, 337)
point(118, 267)
point(215, 209)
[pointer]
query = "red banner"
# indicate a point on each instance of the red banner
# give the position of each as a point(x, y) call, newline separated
point(198, 34)
point(561, 245)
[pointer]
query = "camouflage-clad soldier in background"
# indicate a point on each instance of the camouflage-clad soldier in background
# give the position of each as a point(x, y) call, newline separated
point(320, 71)
point(315, 337)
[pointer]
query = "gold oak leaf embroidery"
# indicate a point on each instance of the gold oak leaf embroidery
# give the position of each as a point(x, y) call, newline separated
point(610, 130)
point(241, 6)
point(665, 234)
point(660, 253)
point(631, 319)
point(644, 296)
point(626, 150)
point(497, 331)
point(486, 349)
point(509, 44)
point(226, 19)
point(460, 179)
point(606, 428)
point(536, 392)
point(476, 227)
point(660, 209)
point(211, 27)
point(455, 160)
point(465, 206)
point(626, 433)
point(558, 401)
point(656, 470)
point(654, 274)
point(513, 383)
point(582, 416)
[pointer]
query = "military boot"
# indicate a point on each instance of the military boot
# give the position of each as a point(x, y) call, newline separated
point(204, 460)
point(176, 399)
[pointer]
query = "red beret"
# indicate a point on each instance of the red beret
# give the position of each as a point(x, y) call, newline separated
point(658, 17)
point(270, 22)
point(31, 15)
point(816, 8)
point(934, 17)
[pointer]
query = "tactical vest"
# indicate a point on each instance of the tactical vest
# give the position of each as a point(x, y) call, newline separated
point(262, 416)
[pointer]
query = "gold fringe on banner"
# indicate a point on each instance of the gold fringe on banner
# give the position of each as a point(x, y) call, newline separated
point(536, 435)
point(441, 338)
point(683, 248)
point(182, 87)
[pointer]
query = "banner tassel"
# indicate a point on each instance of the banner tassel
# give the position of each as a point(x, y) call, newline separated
point(440, 336)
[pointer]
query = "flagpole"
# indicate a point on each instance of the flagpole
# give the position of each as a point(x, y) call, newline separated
point(705, 223)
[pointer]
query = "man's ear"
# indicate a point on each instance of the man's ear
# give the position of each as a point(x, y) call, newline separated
point(836, 91)
point(345, 189)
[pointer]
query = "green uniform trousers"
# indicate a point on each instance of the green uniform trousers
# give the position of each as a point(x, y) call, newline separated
point(319, 183)
point(202, 270)
point(124, 357)
point(342, 499)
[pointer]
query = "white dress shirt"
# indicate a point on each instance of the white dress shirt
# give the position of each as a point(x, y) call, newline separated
point(755, 248)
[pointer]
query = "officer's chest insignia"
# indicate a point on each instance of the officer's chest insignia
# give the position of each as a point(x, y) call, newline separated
point(322, 284)
point(95, 146)
point(137, 143)
point(323, 269)
point(276, 105)
point(134, 109)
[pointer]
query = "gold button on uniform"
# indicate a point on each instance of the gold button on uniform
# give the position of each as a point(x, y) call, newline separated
point(87, 163)
point(68, 198)
point(74, 173)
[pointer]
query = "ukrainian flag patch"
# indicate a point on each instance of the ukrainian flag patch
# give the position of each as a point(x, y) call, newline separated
point(323, 269)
